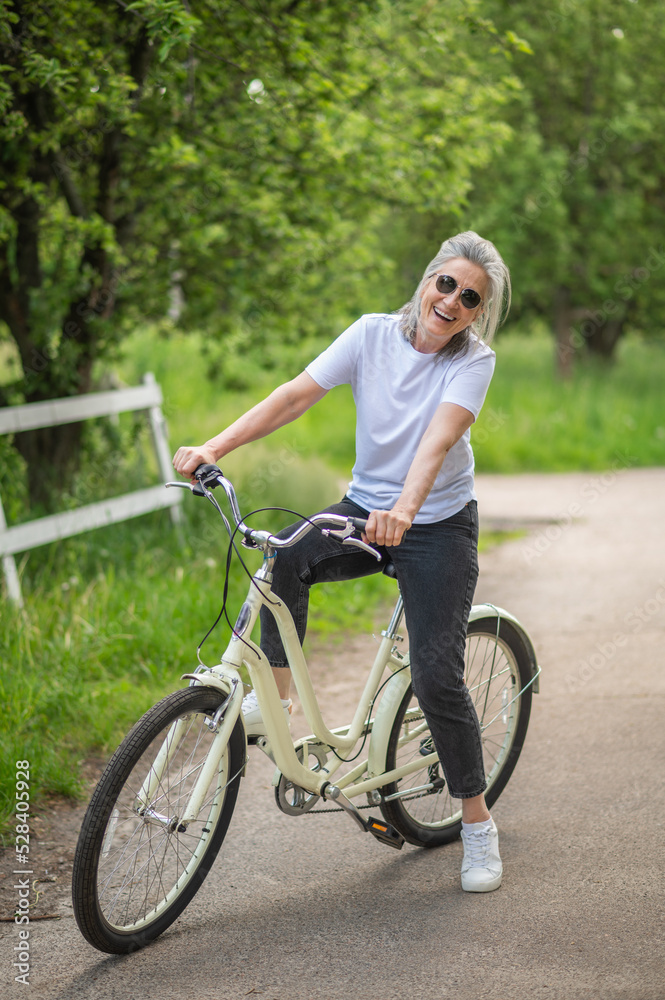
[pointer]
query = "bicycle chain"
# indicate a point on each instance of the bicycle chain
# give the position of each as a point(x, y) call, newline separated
point(337, 809)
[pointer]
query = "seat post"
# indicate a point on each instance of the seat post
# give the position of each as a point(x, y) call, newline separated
point(395, 620)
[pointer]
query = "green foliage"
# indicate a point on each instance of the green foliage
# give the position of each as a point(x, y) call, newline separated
point(265, 174)
point(573, 195)
point(229, 167)
point(251, 155)
point(167, 23)
point(575, 199)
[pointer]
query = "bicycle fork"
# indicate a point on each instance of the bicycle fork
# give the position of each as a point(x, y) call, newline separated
point(222, 724)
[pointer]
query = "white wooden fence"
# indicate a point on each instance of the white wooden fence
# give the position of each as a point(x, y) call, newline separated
point(22, 537)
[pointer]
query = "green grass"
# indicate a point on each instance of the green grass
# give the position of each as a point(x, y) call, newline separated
point(606, 414)
point(112, 618)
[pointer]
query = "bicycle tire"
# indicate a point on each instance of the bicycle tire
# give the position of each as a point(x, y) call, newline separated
point(135, 872)
point(498, 668)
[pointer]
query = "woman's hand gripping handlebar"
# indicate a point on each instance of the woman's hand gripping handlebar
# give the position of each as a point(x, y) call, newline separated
point(210, 476)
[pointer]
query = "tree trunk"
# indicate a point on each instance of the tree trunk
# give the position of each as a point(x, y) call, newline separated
point(601, 338)
point(563, 329)
point(52, 457)
point(53, 454)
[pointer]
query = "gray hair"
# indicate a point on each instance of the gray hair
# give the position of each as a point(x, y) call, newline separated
point(473, 248)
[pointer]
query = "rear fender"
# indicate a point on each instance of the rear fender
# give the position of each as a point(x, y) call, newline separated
point(383, 720)
point(491, 611)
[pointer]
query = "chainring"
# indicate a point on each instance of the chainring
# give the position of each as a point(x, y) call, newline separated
point(292, 799)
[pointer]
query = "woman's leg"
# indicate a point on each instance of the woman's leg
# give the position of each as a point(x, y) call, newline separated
point(437, 569)
point(475, 810)
point(315, 559)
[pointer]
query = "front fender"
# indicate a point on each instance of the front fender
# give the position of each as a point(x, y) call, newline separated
point(227, 681)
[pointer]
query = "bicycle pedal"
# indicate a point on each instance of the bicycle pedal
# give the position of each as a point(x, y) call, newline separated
point(385, 833)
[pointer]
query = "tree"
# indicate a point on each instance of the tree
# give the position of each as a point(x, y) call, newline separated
point(577, 197)
point(229, 164)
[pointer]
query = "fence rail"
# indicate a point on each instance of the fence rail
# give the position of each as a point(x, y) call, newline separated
point(52, 412)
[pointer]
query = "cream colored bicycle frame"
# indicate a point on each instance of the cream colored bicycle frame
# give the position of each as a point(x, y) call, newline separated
point(241, 650)
point(279, 744)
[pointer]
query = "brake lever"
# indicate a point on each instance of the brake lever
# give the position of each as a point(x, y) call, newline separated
point(186, 486)
point(358, 542)
point(346, 537)
point(194, 488)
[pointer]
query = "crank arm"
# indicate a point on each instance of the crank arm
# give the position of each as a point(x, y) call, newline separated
point(377, 827)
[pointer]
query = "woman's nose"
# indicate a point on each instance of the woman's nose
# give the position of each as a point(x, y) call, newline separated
point(451, 297)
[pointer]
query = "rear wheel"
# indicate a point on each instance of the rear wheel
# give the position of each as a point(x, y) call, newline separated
point(498, 668)
point(136, 866)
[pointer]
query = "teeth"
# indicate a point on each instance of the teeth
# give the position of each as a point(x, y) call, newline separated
point(443, 315)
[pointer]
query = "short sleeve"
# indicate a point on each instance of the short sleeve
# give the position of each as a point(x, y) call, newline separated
point(470, 381)
point(336, 365)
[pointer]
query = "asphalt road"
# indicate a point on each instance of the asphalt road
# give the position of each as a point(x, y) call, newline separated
point(309, 908)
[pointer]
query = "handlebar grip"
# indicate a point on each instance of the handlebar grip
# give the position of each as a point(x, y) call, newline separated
point(360, 523)
point(208, 475)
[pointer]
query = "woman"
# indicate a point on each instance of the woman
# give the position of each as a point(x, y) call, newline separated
point(419, 379)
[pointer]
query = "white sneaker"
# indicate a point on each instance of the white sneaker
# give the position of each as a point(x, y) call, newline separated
point(254, 724)
point(481, 867)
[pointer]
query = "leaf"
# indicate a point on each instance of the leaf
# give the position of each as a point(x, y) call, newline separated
point(519, 43)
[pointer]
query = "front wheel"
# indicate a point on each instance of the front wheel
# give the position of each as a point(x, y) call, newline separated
point(498, 670)
point(136, 865)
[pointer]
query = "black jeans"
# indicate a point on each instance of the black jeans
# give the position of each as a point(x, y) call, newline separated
point(437, 570)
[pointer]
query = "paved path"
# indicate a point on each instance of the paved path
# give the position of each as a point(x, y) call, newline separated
point(309, 908)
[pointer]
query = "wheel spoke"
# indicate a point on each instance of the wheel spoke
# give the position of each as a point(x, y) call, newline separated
point(142, 864)
point(497, 673)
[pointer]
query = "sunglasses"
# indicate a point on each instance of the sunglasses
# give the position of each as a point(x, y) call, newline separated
point(469, 298)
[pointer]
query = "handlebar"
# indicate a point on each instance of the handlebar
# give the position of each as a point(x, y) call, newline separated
point(210, 476)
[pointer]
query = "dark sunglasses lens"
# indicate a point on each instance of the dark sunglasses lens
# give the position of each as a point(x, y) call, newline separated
point(445, 284)
point(469, 298)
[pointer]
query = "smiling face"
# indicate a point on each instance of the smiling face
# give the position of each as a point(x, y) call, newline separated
point(442, 316)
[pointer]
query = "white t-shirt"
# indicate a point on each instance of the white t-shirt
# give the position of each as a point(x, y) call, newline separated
point(397, 391)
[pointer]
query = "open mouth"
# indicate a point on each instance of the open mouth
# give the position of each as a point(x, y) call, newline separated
point(443, 316)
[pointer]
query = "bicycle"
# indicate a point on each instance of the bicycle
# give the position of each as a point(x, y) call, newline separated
point(161, 810)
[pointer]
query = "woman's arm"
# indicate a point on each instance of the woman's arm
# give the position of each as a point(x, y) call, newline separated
point(288, 402)
point(450, 421)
